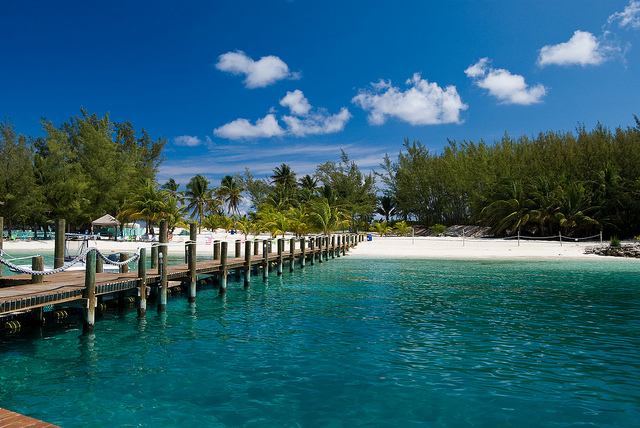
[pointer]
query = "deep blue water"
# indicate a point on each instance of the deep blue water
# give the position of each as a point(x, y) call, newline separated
point(354, 342)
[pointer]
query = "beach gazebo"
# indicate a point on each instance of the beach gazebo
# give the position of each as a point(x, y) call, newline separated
point(106, 220)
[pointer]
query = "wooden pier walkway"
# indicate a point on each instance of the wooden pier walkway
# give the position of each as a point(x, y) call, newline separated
point(10, 419)
point(66, 287)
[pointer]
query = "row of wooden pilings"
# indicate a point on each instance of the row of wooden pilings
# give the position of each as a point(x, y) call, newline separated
point(320, 249)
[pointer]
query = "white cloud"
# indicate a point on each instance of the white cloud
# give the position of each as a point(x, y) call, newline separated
point(242, 129)
point(304, 120)
point(508, 88)
point(423, 103)
point(630, 17)
point(186, 140)
point(582, 49)
point(318, 123)
point(259, 74)
point(296, 102)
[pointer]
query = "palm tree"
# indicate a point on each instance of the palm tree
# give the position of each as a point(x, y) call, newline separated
point(298, 221)
point(575, 200)
point(172, 188)
point(386, 207)
point(381, 228)
point(403, 228)
point(283, 175)
point(511, 208)
point(147, 203)
point(325, 218)
point(230, 193)
point(308, 182)
point(200, 198)
point(175, 213)
point(273, 220)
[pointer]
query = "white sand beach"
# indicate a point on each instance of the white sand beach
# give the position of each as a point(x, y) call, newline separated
point(379, 247)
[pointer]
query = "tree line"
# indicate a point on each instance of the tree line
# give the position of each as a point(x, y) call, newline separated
point(577, 184)
point(78, 171)
point(337, 197)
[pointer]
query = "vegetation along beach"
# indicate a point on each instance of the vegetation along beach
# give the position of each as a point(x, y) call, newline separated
point(320, 214)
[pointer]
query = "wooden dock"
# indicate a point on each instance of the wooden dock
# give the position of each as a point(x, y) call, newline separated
point(15, 420)
point(66, 287)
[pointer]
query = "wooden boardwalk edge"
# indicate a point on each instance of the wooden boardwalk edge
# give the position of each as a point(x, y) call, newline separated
point(9, 419)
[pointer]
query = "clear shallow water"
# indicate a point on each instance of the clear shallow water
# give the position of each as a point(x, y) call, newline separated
point(354, 343)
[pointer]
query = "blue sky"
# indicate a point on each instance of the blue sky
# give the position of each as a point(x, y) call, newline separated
point(235, 84)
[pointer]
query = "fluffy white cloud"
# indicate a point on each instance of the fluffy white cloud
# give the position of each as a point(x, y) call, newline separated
point(186, 140)
point(583, 49)
point(423, 103)
point(264, 72)
point(242, 129)
point(296, 102)
point(318, 123)
point(629, 17)
point(508, 88)
point(304, 120)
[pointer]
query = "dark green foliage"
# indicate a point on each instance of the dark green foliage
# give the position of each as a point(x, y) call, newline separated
point(553, 182)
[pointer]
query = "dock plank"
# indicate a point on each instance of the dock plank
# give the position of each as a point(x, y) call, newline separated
point(9, 419)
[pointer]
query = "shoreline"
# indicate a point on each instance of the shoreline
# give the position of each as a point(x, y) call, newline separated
point(378, 247)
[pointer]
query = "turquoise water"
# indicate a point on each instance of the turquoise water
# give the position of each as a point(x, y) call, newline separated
point(354, 342)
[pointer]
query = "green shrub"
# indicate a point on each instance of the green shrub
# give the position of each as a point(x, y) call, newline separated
point(438, 229)
point(615, 242)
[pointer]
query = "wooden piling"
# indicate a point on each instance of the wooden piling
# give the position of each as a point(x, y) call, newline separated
point(292, 255)
point(89, 293)
point(142, 288)
point(223, 265)
point(238, 248)
point(333, 246)
point(216, 250)
point(99, 265)
point(37, 263)
point(162, 266)
point(247, 263)
point(193, 274)
point(123, 257)
point(312, 250)
point(320, 242)
point(256, 247)
point(303, 256)
point(154, 257)
point(58, 253)
point(280, 249)
point(265, 262)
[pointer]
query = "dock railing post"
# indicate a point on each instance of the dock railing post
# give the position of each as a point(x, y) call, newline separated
point(238, 248)
point(292, 255)
point(216, 250)
point(247, 263)
point(320, 242)
point(162, 266)
point(58, 252)
point(265, 261)
point(280, 249)
point(154, 257)
point(312, 250)
point(303, 255)
point(223, 263)
point(89, 293)
point(37, 264)
point(142, 288)
point(122, 258)
point(193, 273)
point(333, 246)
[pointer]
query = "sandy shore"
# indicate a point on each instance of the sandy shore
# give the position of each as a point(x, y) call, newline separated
point(393, 247)
point(470, 248)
